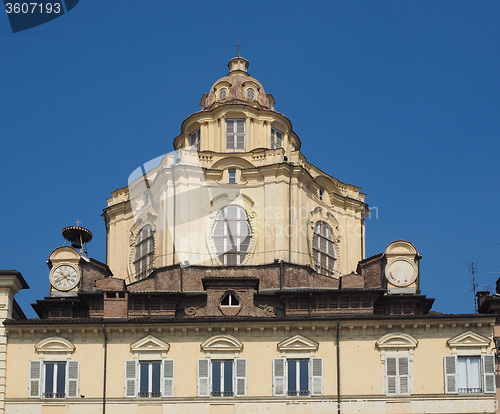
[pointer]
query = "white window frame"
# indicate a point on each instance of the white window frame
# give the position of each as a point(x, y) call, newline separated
point(37, 379)
point(231, 175)
point(232, 137)
point(231, 295)
point(276, 138)
point(280, 376)
point(205, 380)
point(487, 373)
point(133, 378)
point(398, 376)
point(194, 139)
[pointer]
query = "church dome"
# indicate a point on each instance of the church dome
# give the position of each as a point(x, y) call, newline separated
point(237, 87)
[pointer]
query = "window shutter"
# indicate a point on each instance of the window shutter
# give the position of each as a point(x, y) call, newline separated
point(229, 134)
point(240, 377)
point(35, 379)
point(168, 378)
point(404, 374)
point(489, 373)
point(72, 382)
point(279, 376)
point(450, 374)
point(203, 378)
point(316, 376)
point(130, 378)
point(390, 374)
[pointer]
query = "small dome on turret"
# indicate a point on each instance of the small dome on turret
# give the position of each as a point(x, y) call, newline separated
point(237, 87)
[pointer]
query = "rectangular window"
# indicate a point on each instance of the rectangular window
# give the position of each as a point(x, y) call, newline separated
point(149, 383)
point(397, 375)
point(149, 379)
point(298, 377)
point(194, 140)
point(471, 374)
point(276, 139)
point(221, 378)
point(235, 134)
point(232, 176)
point(53, 379)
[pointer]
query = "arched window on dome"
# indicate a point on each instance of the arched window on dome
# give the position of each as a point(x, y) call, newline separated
point(276, 138)
point(144, 252)
point(232, 235)
point(323, 249)
point(194, 140)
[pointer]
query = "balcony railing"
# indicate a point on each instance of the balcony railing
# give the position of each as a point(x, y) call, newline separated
point(54, 395)
point(149, 394)
point(300, 393)
point(222, 394)
point(470, 390)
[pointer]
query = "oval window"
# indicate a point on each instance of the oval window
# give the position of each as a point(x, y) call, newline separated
point(250, 94)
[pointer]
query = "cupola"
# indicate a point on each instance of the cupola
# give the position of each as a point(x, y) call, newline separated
point(237, 87)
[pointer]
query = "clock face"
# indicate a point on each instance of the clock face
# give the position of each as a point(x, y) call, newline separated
point(401, 273)
point(64, 277)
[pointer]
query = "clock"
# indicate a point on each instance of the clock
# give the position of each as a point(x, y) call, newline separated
point(64, 277)
point(401, 272)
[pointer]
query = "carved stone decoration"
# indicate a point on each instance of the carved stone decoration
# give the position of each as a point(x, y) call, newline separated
point(396, 340)
point(191, 310)
point(298, 345)
point(268, 309)
point(221, 343)
point(468, 342)
point(54, 345)
point(149, 347)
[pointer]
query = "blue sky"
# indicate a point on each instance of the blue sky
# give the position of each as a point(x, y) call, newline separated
point(398, 97)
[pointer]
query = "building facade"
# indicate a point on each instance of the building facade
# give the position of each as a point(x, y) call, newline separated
point(236, 282)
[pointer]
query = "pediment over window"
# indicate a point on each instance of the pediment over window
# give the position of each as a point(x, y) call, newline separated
point(222, 343)
point(397, 340)
point(54, 345)
point(298, 343)
point(150, 344)
point(468, 340)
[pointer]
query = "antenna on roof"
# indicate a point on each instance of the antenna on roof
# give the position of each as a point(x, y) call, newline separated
point(472, 267)
point(475, 286)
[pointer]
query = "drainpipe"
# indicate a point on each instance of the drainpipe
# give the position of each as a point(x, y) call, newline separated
point(338, 366)
point(181, 274)
point(281, 274)
point(105, 369)
point(290, 215)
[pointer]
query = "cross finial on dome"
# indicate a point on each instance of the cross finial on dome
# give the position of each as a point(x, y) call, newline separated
point(238, 48)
